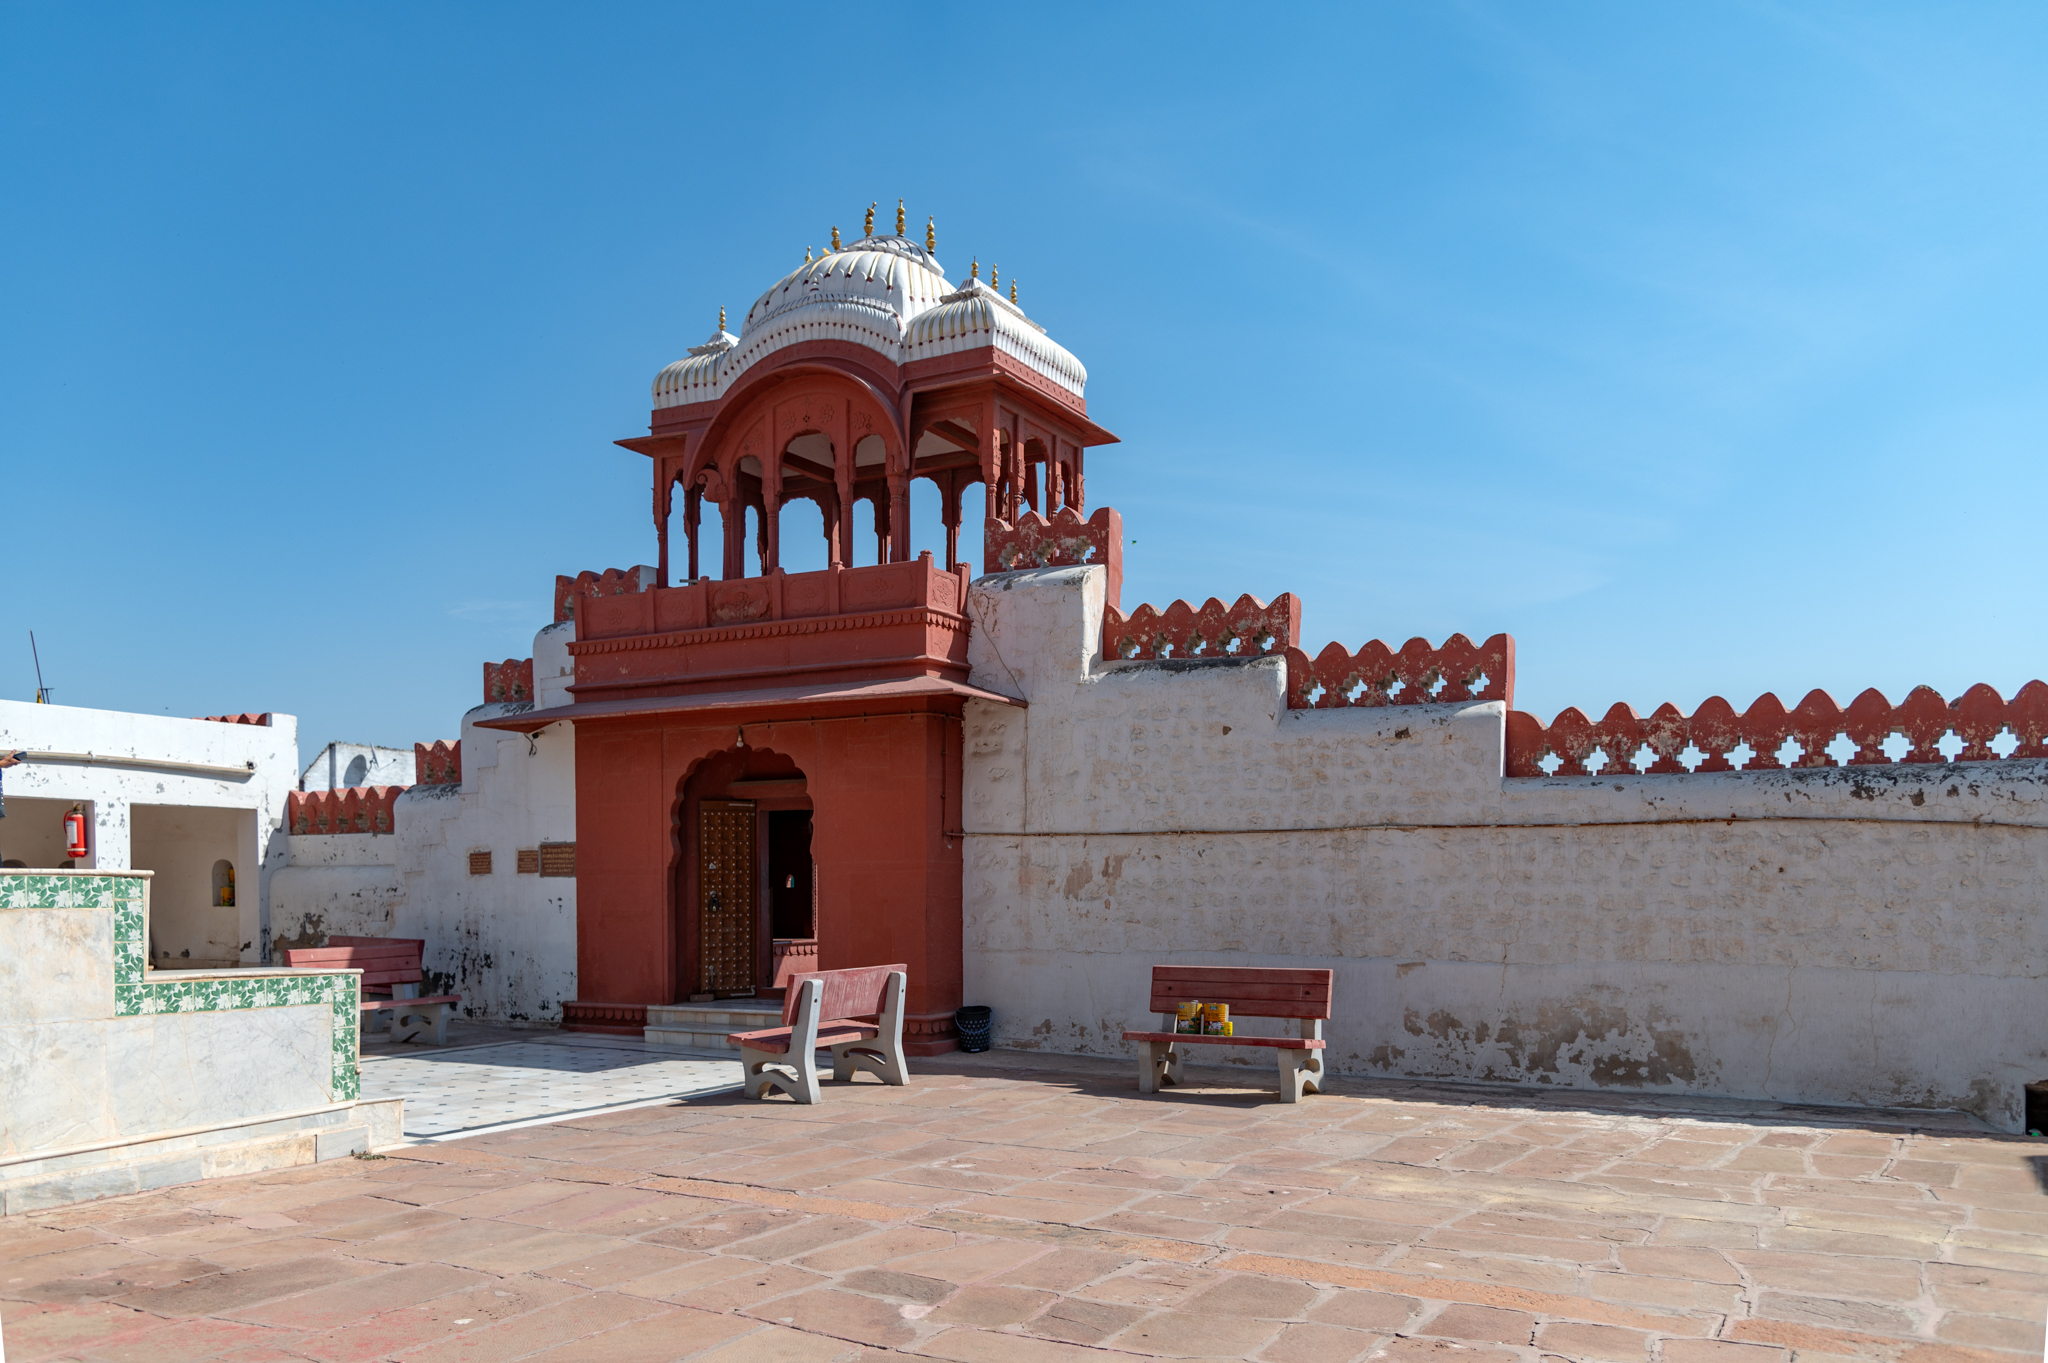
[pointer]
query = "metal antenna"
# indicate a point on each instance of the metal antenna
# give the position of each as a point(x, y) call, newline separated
point(42, 691)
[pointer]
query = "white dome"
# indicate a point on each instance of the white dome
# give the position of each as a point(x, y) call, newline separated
point(876, 293)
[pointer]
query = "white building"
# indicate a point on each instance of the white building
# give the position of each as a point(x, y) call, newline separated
point(201, 802)
point(341, 765)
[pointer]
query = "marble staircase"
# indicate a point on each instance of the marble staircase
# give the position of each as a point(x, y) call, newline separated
point(704, 1026)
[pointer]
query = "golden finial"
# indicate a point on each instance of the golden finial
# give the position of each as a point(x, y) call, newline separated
point(995, 276)
point(931, 234)
point(721, 318)
point(1013, 288)
point(835, 236)
point(868, 229)
point(807, 255)
point(899, 217)
point(974, 270)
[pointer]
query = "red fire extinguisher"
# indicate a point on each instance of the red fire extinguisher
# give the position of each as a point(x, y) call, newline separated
point(74, 833)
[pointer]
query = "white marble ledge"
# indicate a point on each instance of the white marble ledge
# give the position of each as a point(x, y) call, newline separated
point(162, 975)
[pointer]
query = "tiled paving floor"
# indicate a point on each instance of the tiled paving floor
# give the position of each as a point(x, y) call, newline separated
point(455, 1093)
point(1012, 1209)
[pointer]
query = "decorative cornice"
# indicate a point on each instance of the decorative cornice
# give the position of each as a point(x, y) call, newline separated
point(929, 616)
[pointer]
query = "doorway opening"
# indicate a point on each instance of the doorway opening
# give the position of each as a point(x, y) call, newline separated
point(745, 887)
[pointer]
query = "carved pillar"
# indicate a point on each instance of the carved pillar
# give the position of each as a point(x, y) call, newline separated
point(880, 503)
point(1031, 483)
point(1052, 476)
point(771, 514)
point(950, 488)
point(899, 511)
point(842, 475)
point(1078, 497)
point(693, 517)
point(664, 493)
point(828, 512)
point(733, 527)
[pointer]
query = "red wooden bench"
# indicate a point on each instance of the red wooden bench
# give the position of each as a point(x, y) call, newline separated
point(1253, 992)
point(391, 982)
point(858, 1014)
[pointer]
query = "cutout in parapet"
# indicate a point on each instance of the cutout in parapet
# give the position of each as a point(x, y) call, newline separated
point(1923, 729)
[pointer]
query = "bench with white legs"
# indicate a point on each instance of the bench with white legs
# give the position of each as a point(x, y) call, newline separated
point(856, 1014)
point(1251, 991)
point(391, 968)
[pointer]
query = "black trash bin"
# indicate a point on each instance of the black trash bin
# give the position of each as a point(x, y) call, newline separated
point(977, 1024)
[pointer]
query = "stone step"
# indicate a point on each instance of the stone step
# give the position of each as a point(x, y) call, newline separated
point(705, 1026)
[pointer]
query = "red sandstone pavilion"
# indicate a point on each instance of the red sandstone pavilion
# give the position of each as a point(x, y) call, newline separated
point(737, 733)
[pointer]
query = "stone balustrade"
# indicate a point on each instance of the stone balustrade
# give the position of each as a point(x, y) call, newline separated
point(350, 809)
point(1419, 673)
point(1979, 726)
point(1247, 629)
point(1061, 540)
point(586, 586)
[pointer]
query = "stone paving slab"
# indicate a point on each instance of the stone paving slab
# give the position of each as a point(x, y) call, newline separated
point(458, 1092)
point(1008, 1208)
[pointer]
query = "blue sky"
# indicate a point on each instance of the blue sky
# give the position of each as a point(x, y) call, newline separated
point(1702, 348)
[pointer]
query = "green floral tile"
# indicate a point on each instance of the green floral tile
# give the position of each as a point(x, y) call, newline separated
point(128, 922)
point(130, 965)
point(128, 1000)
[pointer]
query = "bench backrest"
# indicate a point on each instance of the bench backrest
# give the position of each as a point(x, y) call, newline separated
point(1251, 991)
point(383, 960)
point(848, 993)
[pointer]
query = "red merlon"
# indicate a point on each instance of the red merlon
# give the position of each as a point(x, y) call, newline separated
point(610, 582)
point(1419, 674)
point(509, 680)
point(263, 719)
point(1715, 730)
point(438, 765)
point(353, 809)
point(1063, 540)
point(1246, 630)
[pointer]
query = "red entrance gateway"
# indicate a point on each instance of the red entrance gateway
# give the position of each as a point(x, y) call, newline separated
point(770, 764)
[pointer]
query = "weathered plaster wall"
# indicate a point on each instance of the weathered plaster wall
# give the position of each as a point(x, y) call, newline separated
point(505, 941)
point(145, 760)
point(1870, 935)
point(182, 844)
point(344, 884)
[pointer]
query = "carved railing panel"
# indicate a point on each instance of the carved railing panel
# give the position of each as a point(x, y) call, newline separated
point(610, 582)
point(1061, 540)
point(1247, 629)
point(1983, 726)
point(508, 681)
point(1419, 673)
point(438, 763)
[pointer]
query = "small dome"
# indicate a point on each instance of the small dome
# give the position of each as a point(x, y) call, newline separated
point(877, 292)
point(976, 315)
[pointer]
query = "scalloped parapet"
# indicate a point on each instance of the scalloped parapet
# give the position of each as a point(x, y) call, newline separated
point(508, 681)
point(1419, 673)
point(438, 764)
point(610, 582)
point(1714, 732)
point(263, 719)
point(1061, 540)
point(351, 809)
point(1245, 630)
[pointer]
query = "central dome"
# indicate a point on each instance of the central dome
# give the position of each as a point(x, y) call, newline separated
point(868, 293)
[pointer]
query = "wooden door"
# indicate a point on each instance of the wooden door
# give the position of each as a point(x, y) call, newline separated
point(726, 911)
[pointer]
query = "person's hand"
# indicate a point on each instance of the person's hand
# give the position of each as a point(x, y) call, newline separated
point(12, 759)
